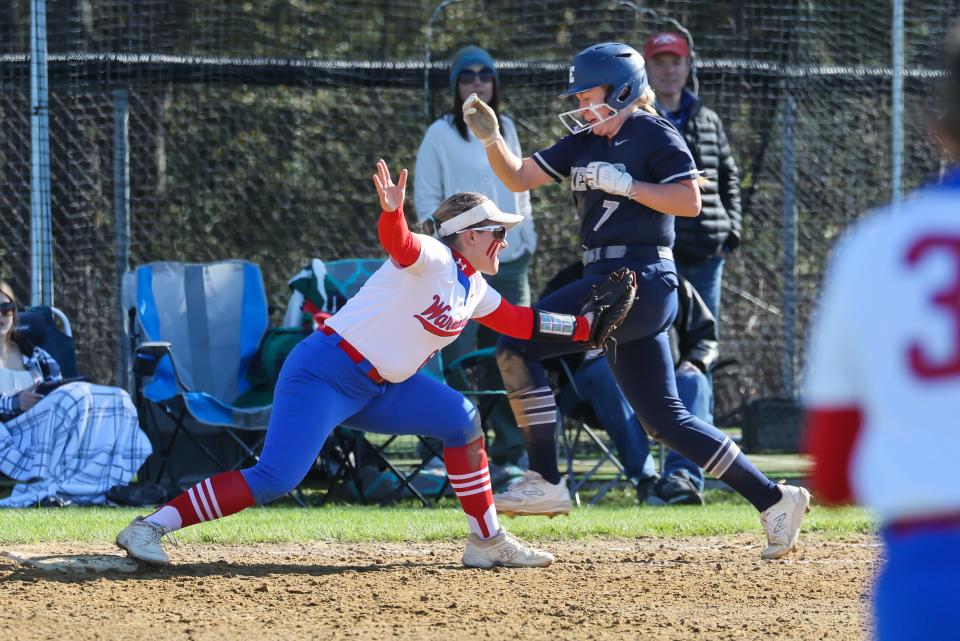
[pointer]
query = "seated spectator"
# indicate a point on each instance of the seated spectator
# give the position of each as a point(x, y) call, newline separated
point(693, 339)
point(68, 442)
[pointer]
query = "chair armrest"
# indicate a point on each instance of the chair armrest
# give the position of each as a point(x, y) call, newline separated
point(468, 360)
point(147, 356)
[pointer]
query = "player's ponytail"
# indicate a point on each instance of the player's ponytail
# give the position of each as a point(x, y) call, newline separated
point(648, 101)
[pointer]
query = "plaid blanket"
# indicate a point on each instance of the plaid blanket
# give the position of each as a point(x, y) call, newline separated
point(76, 443)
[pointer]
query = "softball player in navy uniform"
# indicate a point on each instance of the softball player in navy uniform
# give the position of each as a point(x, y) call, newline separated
point(362, 371)
point(883, 375)
point(631, 173)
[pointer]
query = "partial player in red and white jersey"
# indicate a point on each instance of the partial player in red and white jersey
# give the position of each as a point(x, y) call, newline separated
point(883, 392)
point(362, 371)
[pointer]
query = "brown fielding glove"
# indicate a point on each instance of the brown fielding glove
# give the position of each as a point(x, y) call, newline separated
point(609, 302)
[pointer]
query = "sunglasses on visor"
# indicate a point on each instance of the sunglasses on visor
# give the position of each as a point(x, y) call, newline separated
point(467, 76)
point(7, 309)
point(499, 231)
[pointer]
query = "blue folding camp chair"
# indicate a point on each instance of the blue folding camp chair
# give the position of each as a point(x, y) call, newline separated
point(197, 330)
point(39, 324)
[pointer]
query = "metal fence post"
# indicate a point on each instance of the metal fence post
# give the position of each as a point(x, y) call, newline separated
point(41, 237)
point(897, 104)
point(789, 223)
point(121, 208)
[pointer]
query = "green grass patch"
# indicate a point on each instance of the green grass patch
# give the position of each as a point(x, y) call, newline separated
point(372, 524)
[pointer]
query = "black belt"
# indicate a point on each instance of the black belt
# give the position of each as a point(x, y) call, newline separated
point(646, 252)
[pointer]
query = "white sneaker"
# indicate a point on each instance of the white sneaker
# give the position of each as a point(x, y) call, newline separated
point(504, 550)
point(141, 540)
point(782, 520)
point(532, 494)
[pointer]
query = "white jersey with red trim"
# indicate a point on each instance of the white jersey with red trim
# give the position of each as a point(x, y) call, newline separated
point(886, 341)
point(402, 316)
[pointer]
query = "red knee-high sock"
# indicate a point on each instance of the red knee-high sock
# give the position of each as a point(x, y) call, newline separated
point(214, 498)
point(470, 479)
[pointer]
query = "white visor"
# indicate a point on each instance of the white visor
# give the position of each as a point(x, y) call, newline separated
point(485, 211)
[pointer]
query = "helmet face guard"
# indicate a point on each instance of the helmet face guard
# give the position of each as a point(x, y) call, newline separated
point(572, 120)
point(611, 64)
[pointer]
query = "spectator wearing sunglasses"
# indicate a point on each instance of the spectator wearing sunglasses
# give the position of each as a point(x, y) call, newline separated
point(452, 160)
point(68, 442)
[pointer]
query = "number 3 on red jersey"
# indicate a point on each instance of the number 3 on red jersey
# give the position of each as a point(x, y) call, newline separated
point(947, 300)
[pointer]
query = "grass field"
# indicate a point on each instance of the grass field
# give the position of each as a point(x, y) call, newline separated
point(405, 523)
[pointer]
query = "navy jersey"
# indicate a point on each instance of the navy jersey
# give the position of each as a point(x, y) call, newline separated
point(649, 149)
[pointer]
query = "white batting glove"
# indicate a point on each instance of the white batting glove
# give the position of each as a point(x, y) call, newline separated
point(481, 119)
point(606, 177)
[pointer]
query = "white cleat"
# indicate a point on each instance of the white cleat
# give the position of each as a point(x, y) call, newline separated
point(782, 520)
point(141, 540)
point(533, 495)
point(504, 550)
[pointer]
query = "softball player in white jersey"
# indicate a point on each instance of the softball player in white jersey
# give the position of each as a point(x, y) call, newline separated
point(362, 371)
point(883, 383)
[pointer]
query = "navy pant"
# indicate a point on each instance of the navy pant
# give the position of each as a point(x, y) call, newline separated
point(643, 367)
point(597, 384)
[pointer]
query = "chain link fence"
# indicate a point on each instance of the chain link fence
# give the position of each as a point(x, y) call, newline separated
point(252, 129)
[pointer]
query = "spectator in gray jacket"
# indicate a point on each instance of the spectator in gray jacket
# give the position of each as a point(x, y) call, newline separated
point(450, 160)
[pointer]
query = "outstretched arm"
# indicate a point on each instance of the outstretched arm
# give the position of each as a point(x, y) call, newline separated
point(395, 236)
point(527, 323)
point(518, 174)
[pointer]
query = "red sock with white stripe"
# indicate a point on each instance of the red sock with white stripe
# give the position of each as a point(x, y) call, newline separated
point(214, 498)
point(470, 479)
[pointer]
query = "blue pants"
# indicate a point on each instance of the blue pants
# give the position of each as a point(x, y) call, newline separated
point(320, 388)
point(597, 384)
point(918, 590)
point(706, 278)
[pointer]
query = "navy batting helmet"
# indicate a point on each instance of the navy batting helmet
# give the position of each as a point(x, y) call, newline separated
point(609, 63)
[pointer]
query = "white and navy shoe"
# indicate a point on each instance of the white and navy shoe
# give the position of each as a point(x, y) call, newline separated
point(534, 495)
point(141, 540)
point(782, 520)
point(503, 550)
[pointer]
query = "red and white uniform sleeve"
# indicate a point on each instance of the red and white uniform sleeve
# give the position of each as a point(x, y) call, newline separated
point(832, 395)
point(517, 322)
point(400, 243)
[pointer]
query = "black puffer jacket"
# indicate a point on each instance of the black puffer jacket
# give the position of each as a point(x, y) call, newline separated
point(718, 224)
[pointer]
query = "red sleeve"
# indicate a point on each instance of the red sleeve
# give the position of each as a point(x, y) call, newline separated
point(396, 238)
point(830, 437)
point(517, 322)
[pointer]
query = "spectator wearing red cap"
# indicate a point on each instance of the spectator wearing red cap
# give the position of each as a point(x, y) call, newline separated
point(703, 243)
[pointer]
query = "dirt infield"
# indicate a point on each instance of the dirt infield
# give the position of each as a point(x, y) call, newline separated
point(701, 588)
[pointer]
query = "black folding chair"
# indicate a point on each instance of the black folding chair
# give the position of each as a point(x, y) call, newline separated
point(579, 437)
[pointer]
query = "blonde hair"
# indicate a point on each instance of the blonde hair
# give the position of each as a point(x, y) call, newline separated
point(648, 101)
point(451, 208)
